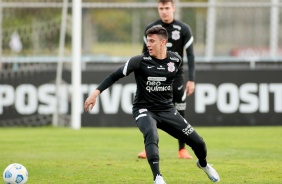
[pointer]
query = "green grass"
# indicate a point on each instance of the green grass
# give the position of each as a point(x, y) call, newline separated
point(109, 155)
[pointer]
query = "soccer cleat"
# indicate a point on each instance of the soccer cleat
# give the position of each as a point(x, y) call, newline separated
point(184, 154)
point(159, 180)
point(211, 172)
point(142, 154)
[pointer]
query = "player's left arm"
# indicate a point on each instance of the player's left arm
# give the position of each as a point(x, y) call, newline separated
point(188, 47)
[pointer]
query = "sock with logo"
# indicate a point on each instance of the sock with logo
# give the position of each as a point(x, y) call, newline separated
point(155, 166)
point(152, 152)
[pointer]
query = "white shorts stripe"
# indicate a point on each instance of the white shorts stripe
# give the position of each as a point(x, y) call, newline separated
point(141, 115)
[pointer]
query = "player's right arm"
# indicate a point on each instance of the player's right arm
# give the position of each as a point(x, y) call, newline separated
point(91, 100)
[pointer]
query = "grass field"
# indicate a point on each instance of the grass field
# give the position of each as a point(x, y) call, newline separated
point(109, 155)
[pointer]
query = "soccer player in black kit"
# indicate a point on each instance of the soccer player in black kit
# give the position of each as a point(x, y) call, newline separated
point(153, 107)
point(179, 39)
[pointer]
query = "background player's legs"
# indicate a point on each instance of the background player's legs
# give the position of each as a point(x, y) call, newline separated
point(182, 152)
point(181, 145)
point(179, 97)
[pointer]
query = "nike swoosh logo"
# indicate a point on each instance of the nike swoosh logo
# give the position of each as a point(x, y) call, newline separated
point(180, 87)
point(150, 66)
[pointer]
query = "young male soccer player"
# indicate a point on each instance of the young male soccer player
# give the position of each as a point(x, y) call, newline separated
point(153, 107)
point(179, 39)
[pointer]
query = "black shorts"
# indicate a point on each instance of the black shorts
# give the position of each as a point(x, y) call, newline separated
point(168, 120)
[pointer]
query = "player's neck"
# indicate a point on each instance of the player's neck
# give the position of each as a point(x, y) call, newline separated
point(168, 21)
point(162, 54)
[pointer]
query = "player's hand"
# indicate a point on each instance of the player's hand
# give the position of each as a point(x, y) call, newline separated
point(190, 87)
point(91, 101)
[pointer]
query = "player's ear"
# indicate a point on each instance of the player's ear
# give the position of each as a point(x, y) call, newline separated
point(173, 8)
point(163, 41)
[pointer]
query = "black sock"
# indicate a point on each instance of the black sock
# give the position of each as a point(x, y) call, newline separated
point(203, 162)
point(181, 145)
point(153, 158)
point(155, 166)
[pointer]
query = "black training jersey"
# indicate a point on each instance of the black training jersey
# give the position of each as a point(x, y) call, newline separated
point(153, 77)
point(180, 38)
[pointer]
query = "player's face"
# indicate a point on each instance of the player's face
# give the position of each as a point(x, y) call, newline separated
point(166, 11)
point(155, 45)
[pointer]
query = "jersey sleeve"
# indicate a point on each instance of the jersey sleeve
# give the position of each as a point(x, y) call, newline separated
point(188, 47)
point(131, 65)
point(179, 57)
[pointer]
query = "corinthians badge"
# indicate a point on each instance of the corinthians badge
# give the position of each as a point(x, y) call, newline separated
point(171, 67)
point(175, 35)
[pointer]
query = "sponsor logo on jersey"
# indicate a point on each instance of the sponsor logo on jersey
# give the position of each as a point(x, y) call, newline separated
point(156, 78)
point(175, 35)
point(177, 27)
point(150, 67)
point(174, 59)
point(161, 68)
point(155, 84)
point(171, 67)
point(147, 58)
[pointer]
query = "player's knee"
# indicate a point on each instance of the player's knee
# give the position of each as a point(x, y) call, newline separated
point(153, 157)
point(200, 142)
point(151, 137)
point(196, 141)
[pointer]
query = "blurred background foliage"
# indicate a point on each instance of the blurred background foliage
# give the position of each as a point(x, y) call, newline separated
point(118, 31)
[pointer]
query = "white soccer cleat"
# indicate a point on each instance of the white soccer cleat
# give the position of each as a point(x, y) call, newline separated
point(211, 172)
point(159, 180)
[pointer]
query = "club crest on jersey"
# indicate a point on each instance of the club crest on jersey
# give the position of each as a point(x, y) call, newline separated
point(171, 67)
point(175, 35)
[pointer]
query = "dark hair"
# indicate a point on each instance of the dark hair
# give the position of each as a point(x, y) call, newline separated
point(166, 1)
point(160, 31)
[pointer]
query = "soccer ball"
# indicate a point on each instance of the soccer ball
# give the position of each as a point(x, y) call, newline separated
point(15, 174)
